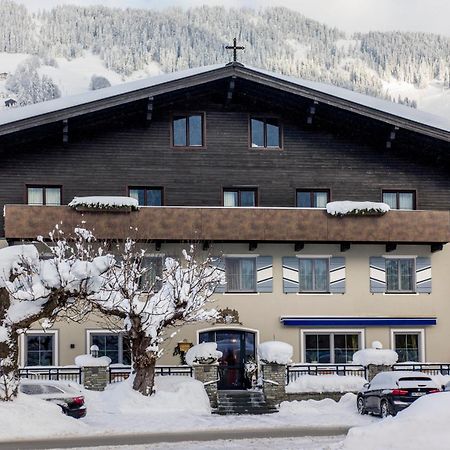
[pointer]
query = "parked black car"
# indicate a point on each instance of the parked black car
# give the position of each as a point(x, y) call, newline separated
point(390, 392)
point(66, 396)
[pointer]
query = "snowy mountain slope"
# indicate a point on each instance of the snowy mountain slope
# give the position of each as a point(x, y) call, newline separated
point(71, 43)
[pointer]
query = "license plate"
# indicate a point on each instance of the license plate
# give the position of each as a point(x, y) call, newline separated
point(417, 394)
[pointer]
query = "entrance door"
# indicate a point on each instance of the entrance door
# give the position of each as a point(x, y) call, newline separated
point(237, 348)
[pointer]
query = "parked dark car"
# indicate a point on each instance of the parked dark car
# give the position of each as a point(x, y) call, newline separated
point(66, 396)
point(390, 392)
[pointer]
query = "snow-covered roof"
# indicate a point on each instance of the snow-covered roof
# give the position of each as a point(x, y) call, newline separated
point(377, 105)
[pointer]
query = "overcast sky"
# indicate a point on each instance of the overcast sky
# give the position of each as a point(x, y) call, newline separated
point(349, 15)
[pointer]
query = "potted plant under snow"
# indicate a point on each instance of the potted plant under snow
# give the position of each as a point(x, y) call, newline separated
point(104, 204)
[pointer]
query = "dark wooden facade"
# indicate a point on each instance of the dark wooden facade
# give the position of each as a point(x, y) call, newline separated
point(110, 149)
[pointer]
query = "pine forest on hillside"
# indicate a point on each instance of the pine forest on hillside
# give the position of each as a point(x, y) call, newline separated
point(276, 39)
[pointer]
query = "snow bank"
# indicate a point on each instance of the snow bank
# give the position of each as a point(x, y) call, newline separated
point(91, 361)
point(174, 394)
point(349, 208)
point(424, 424)
point(31, 417)
point(205, 353)
point(326, 383)
point(377, 356)
point(275, 352)
point(105, 202)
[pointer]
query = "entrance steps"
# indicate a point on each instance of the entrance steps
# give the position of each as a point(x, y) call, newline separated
point(242, 402)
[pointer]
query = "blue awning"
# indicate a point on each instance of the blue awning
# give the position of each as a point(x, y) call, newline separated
point(324, 321)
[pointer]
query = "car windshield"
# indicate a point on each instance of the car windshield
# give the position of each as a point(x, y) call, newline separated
point(31, 389)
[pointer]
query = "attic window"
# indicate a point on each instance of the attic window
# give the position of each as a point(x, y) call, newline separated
point(265, 132)
point(187, 130)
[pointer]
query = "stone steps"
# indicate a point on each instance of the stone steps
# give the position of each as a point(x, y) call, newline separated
point(242, 402)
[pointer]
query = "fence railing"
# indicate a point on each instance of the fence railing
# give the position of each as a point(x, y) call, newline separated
point(121, 373)
point(295, 371)
point(428, 368)
point(52, 373)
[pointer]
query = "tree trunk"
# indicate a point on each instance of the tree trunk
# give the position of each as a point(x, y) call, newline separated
point(144, 362)
point(9, 367)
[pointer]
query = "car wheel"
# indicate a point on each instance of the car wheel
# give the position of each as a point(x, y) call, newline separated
point(361, 406)
point(385, 409)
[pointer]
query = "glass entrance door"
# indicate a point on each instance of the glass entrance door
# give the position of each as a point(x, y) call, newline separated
point(237, 348)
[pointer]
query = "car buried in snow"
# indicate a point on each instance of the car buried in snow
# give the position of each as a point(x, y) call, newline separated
point(391, 392)
point(65, 395)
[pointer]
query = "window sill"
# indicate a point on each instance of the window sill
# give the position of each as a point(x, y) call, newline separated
point(314, 293)
point(241, 293)
point(400, 293)
point(189, 148)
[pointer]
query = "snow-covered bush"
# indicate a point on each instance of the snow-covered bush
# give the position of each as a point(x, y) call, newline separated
point(275, 352)
point(104, 202)
point(350, 208)
point(375, 355)
point(205, 353)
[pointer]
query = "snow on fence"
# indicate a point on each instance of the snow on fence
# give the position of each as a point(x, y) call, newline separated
point(428, 368)
point(121, 373)
point(295, 371)
point(73, 374)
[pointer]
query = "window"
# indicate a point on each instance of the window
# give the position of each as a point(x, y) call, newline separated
point(407, 345)
point(314, 275)
point(240, 274)
point(400, 274)
point(147, 196)
point(151, 279)
point(331, 347)
point(239, 197)
point(114, 345)
point(399, 199)
point(187, 130)
point(312, 199)
point(44, 195)
point(39, 349)
point(265, 132)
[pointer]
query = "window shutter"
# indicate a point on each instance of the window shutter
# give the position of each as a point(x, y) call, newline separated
point(219, 264)
point(290, 275)
point(423, 275)
point(264, 274)
point(337, 275)
point(377, 274)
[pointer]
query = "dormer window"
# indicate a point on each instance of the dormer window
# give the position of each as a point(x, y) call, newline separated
point(265, 132)
point(187, 130)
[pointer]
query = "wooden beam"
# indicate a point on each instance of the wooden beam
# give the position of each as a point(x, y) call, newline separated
point(345, 246)
point(391, 137)
point(253, 245)
point(65, 131)
point(149, 110)
point(299, 246)
point(158, 246)
point(436, 247)
point(230, 91)
point(390, 247)
point(205, 246)
point(311, 112)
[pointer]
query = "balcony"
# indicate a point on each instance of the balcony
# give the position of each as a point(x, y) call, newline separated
point(233, 224)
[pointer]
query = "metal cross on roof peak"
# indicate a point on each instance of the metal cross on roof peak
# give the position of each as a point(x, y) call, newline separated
point(235, 48)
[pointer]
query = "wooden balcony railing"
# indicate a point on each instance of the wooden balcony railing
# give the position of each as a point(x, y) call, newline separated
point(232, 224)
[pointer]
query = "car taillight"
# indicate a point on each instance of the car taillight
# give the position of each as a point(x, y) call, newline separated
point(399, 392)
point(433, 391)
point(78, 401)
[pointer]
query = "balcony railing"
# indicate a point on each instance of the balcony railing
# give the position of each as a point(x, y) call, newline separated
point(232, 224)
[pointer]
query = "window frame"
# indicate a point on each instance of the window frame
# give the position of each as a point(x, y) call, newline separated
point(311, 196)
point(187, 115)
point(24, 345)
point(263, 118)
point(397, 197)
point(240, 189)
point(314, 258)
point(148, 188)
point(414, 281)
point(419, 331)
point(100, 331)
point(331, 331)
point(249, 257)
point(44, 188)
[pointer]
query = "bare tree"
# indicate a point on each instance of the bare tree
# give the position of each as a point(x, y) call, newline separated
point(150, 306)
point(32, 289)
